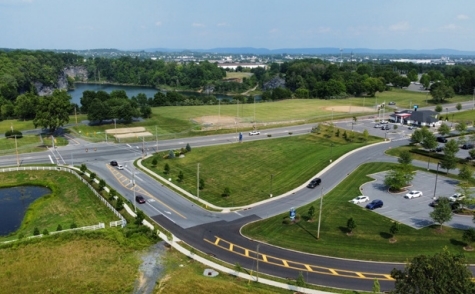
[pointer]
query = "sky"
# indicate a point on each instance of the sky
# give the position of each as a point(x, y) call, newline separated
point(206, 24)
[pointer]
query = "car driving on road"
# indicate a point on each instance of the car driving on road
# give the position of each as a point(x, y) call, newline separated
point(120, 167)
point(413, 194)
point(374, 204)
point(140, 199)
point(252, 133)
point(113, 163)
point(359, 199)
point(313, 183)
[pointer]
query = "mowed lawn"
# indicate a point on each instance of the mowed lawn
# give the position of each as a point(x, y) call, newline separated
point(70, 202)
point(370, 239)
point(247, 168)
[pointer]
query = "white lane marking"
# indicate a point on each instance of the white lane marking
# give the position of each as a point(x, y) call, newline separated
point(161, 213)
point(51, 159)
point(167, 212)
point(129, 145)
point(238, 213)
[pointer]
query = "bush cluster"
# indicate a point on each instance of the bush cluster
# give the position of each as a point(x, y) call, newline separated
point(13, 133)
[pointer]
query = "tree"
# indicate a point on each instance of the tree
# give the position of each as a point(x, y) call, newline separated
point(417, 136)
point(442, 212)
point(311, 212)
point(441, 273)
point(102, 184)
point(412, 75)
point(171, 154)
point(350, 225)
point(429, 142)
point(226, 192)
point(472, 153)
point(300, 280)
point(444, 129)
point(440, 92)
point(458, 106)
point(112, 193)
point(98, 111)
point(166, 169)
point(59, 228)
point(449, 161)
point(83, 168)
point(92, 177)
point(188, 147)
point(36, 231)
point(119, 204)
point(53, 111)
point(469, 237)
point(399, 177)
point(425, 81)
point(139, 217)
point(393, 230)
point(25, 106)
point(45, 232)
point(438, 108)
point(365, 135)
point(202, 184)
point(465, 173)
point(154, 162)
point(376, 286)
point(405, 157)
point(461, 127)
point(181, 176)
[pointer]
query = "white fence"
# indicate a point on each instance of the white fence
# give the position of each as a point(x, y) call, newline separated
point(59, 168)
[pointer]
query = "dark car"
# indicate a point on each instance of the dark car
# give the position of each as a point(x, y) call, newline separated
point(140, 199)
point(439, 149)
point(385, 127)
point(467, 146)
point(114, 163)
point(392, 103)
point(313, 183)
point(441, 140)
point(374, 204)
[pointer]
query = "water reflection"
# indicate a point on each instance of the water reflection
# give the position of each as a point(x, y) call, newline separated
point(13, 205)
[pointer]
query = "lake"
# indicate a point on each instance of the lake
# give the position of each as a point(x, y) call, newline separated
point(131, 91)
point(14, 202)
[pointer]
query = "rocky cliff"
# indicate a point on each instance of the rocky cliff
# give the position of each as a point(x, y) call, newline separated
point(77, 73)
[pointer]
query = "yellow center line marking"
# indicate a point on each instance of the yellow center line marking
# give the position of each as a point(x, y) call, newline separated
point(284, 263)
point(119, 176)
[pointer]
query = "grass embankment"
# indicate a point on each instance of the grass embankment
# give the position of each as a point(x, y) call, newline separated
point(70, 202)
point(247, 168)
point(369, 241)
point(104, 261)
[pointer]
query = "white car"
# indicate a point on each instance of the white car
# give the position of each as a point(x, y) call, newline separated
point(359, 199)
point(251, 133)
point(456, 197)
point(413, 194)
point(120, 167)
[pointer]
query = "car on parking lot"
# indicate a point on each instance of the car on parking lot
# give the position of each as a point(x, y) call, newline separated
point(374, 204)
point(140, 199)
point(359, 199)
point(467, 146)
point(313, 183)
point(441, 139)
point(113, 163)
point(439, 149)
point(456, 197)
point(413, 194)
point(392, 103)
point(437, 201)
point(120, 166)
point(385, 127)
point(377, 125)
point(252, 133)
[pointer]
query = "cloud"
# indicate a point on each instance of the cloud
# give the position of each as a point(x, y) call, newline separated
point(462, 17)
point(450, 26)
point(198, 25)
point(158, 23)
point(401, 26)
point(222, 24)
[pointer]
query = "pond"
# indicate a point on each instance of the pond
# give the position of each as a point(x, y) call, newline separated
point(14, 203)
point(131, 91)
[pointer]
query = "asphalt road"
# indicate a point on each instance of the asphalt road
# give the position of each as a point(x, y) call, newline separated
point(217, 233)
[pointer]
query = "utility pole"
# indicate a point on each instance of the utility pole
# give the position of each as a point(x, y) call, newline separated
point(198, 181)
point(76, 116)
point(320, 214)
point(16, 148)
point(254, 109)
point(133, 187)
point(156, 138)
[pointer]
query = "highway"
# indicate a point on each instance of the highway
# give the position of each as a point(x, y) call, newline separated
point(218, 233)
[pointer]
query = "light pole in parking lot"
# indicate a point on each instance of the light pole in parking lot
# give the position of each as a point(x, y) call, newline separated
point(437, 173)
point(331, 152)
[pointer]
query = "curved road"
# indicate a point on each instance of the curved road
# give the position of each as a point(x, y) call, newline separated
point(218, 233)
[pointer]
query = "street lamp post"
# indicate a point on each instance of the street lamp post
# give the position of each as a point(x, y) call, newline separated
point(437, 173)
point(198, 181)
point(257, 269)
point(270, 191)
point(331, 152)
point(320, 214)
point(452, 122)
point(446, 113)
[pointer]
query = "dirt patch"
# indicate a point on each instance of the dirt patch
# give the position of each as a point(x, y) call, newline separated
point(133, 135)
point(350, 109)
point(125, 130)
point(151, 269)
point(215, 119)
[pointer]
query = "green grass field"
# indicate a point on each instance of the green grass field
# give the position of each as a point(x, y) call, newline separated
point(70, 202)
point(370, 240)
point(246, 168)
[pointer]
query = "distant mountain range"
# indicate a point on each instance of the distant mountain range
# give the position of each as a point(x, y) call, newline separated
point(319, 51)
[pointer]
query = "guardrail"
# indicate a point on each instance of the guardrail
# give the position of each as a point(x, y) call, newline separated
point(71, 171)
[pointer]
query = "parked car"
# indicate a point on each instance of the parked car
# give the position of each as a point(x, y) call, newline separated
point(252, 133)
point(467, 146)
point(439, 149)
point(313, 183)
point(140, 199)
point(413, 194)
point(374, 204)
point(392, 103)
point(377, 126)
point(385, 127)
point(359, 199)
point(456, 197)
point(120, 167)
point(113, 163)
point(441, 140)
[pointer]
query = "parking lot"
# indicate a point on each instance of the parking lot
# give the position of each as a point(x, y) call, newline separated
point(412, 212)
